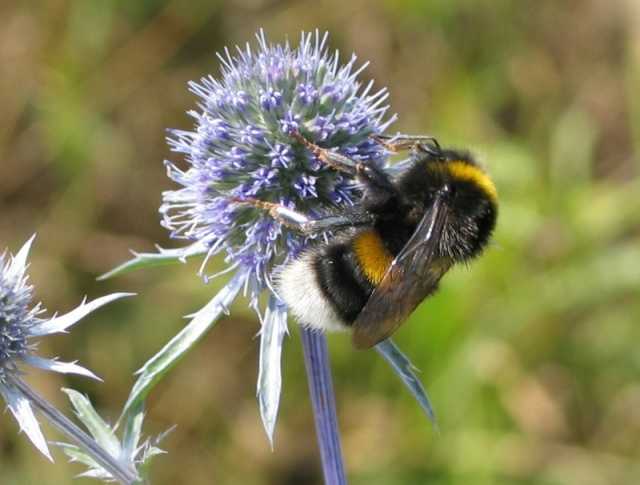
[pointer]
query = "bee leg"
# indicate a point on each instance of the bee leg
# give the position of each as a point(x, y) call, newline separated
point(400, 142)
point(331, 223)
point(375, 179)
point(333, 159)
point(301, 223)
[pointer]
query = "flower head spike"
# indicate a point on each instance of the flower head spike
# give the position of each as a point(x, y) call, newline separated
point(21, 322)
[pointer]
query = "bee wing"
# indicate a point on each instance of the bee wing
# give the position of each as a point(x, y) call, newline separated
point(408, 280)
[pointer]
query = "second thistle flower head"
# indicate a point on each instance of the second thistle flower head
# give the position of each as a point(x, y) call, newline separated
point(20, 323)
point(242, 147)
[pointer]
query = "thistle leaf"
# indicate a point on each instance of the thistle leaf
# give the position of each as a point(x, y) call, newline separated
point(99, 429)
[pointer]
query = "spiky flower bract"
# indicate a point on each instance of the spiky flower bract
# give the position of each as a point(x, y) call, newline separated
point(21, 322)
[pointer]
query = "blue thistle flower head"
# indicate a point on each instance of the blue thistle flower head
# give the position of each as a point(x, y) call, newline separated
point(245, 146)
point(20, 323)
point(242, 147)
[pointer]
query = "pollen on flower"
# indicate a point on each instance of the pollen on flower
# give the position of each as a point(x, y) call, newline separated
point(241, 146)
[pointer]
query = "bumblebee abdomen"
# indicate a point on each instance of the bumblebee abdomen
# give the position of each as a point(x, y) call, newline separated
point(342, 279)
point(299, 285)
point(328, 285)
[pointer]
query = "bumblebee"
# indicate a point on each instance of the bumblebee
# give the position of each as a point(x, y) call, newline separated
point(389, 251)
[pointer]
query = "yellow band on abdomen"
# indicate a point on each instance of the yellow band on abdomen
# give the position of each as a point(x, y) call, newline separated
point(373, 256)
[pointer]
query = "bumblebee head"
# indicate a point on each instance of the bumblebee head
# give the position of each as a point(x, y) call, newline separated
point(468, 194)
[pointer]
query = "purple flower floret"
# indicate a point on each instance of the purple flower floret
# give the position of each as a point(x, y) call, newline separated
point(241, 147)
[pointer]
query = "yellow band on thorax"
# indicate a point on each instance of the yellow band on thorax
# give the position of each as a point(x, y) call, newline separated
point(460, 170)
point(373, 256)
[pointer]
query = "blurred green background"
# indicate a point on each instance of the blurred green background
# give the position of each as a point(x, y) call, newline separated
point(530, 357)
